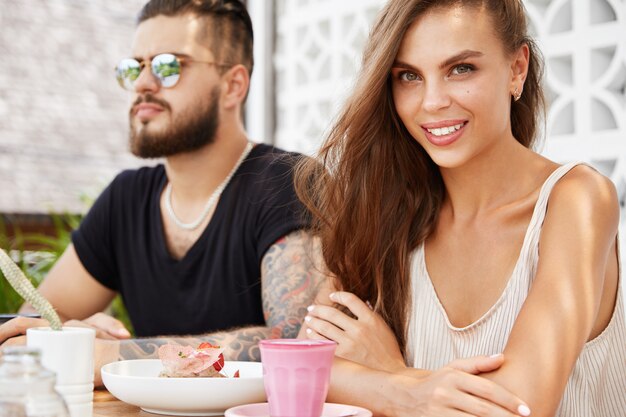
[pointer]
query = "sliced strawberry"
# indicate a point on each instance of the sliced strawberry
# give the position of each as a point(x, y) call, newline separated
point(219, 364)
point(205, 345)
point(236, 374)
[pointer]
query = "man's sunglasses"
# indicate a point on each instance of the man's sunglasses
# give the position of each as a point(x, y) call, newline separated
point(165, 67)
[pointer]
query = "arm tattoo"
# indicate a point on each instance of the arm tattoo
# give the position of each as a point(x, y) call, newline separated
point(239, 345)
point(291, 278)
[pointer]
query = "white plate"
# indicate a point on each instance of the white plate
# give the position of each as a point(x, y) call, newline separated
point(137, 382)
point(329, 410)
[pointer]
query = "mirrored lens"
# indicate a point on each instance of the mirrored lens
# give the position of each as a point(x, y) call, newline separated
point(166, 67)
point(127, 71)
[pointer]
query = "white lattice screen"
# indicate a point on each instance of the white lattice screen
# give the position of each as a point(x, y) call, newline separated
point(584, 43)
point(317, 48)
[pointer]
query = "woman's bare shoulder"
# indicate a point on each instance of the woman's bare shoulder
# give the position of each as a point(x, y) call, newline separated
point(584, 182)
point(584, 193)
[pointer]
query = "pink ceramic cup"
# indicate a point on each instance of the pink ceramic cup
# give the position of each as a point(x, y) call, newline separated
point(296, 375)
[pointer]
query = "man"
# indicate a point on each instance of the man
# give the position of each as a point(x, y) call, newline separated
point(208, 242)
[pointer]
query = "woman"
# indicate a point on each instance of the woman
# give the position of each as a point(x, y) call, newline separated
point(432, 208)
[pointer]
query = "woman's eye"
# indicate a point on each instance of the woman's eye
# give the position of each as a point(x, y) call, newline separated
point(408, 76)
point(462, 69)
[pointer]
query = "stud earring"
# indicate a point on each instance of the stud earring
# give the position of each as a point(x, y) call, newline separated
point(517, 94)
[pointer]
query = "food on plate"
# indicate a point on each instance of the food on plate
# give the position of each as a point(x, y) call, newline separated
point(205, 361)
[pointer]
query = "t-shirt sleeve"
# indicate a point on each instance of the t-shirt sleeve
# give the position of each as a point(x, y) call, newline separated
point(93, 241)
point(282, 211)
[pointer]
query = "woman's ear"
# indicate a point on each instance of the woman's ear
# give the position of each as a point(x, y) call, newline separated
point(236, 82)
point(519, 68)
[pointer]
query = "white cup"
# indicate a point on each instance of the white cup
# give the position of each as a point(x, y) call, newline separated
point(74, 389)
point(81, 410)
point(78, 398)
point(69, 353)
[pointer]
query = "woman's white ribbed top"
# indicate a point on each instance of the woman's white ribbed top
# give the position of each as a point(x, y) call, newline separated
point(597, 385)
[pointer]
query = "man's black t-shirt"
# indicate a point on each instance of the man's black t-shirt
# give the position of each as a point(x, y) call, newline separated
point(216, 286)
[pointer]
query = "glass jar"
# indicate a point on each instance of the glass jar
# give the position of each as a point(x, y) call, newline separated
point(26, 387)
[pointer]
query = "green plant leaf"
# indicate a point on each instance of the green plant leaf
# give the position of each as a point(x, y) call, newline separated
point(37, 264)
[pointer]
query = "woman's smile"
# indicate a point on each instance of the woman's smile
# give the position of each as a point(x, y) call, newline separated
point(444, 133)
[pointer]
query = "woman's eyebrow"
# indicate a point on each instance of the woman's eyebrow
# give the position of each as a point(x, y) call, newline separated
point(456, 58)
point(460, 57)
point(400, 64)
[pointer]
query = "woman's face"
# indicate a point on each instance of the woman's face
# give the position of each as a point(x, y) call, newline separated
point(452, 83)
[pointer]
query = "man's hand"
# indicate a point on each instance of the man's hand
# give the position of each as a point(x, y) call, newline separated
point(15, 341)
point(106, 348)
point(105, 351)
point(105, 324)
point(16, 327)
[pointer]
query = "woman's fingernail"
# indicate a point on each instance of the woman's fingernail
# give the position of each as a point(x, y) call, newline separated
point(307, 319)
point(332, 296)
point(523, 410)
point(496, 355)
point(310, 308)
point(123, 332)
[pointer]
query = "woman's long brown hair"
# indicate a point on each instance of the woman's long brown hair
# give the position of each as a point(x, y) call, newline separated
point(373, 192)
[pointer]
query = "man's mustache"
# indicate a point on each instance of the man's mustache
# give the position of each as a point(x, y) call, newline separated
point(149, 98)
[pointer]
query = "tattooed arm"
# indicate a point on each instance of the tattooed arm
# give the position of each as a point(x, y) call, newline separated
point(290, 280)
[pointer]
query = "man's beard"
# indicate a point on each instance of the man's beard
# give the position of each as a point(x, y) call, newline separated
point(187, 132)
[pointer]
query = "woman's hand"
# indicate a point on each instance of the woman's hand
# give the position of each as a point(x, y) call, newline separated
point(451, 392)
point(456, 386)
point(454, 390)
point(365, 339)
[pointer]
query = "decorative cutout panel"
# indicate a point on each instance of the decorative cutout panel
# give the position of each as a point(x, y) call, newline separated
point(317, 53)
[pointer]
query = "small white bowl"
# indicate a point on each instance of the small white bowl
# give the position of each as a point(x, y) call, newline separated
point(137, 382)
